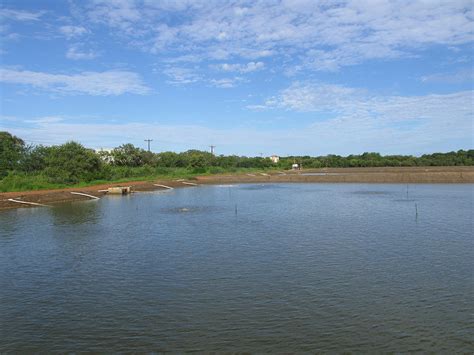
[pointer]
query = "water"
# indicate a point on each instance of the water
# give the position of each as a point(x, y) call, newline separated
point(264, 268)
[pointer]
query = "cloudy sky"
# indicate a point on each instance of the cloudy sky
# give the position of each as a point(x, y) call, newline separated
point(286, 77)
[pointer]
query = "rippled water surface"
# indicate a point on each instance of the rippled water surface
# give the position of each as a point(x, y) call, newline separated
point(289, 268)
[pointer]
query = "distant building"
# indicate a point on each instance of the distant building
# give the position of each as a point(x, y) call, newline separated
point(275, 158)
point(105, 154)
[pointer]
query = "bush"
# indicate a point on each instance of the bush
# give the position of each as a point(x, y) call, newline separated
point(216, 170)
point(71, 163)
point(18, 181)
point(12, 150)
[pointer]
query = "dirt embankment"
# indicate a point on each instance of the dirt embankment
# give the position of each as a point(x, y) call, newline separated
point(328, 175)
point(426, 175)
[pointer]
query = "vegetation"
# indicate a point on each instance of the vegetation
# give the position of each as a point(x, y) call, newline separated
point(24, 167)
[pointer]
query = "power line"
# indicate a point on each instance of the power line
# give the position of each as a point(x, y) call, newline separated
point(148, 140)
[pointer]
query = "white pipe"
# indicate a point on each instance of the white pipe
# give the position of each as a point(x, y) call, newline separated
point(263, 174)
point(166, 187)
point(250, 174)
point(189, 183)
point(87, 195)
point(28, 203)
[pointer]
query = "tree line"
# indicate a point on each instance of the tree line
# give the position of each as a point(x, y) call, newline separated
point(71, 163)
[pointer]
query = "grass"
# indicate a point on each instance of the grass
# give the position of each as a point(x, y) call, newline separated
point(19, 181)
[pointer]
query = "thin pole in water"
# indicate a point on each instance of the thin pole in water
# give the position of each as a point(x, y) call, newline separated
point(416, 211)
point(236, 209)
point(407, 191)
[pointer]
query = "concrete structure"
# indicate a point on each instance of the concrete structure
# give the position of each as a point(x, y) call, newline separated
point(119, 190)
point(275, 158)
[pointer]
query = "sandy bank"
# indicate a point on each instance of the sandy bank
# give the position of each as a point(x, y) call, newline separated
point(329, 175)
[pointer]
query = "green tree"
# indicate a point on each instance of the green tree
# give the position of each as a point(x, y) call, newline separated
point(128, 155)
point(35, 158)
point(168, 160)
point(12, 150)
point(71, 163)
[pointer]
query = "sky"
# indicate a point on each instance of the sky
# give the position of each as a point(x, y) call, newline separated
point(287, 77)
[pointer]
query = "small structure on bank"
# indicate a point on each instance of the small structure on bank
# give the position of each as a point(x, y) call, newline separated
point(119, 190)
point(295, 166)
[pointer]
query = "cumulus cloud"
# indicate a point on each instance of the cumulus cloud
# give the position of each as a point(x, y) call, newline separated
point(352, 103)
point(225, 83)
point(73, 31)
point(76, 52)
point(320, 35)
point(181, 76)
point(186, 75)
point(342, 114)
point(461, 76)
point(304, 97)
point(89, 83)
point(20, 15)
point(241, 68)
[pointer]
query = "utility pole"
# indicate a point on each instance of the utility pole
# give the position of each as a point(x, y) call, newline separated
point(148, 140)
point(212, 149)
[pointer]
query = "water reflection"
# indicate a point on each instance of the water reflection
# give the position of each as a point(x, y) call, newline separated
point(253, 187)
point(192, 209)
point(84, 212)
point(370, 192)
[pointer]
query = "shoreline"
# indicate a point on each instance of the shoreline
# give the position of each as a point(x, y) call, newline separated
point(385, 175)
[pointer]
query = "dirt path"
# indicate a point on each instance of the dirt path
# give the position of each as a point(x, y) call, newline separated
point(329, 175)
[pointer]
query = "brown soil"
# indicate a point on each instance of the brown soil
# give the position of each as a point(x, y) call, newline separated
point(328, 175)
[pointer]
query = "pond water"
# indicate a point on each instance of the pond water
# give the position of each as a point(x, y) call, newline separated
point(263, 268)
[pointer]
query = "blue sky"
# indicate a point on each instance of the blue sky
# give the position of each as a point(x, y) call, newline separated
point(274, 77)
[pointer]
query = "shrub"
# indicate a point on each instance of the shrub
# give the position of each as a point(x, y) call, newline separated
point(71, 163)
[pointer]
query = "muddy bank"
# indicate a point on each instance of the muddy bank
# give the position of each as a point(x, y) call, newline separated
point(425, 175)
point(50, 197)
point(329, 175)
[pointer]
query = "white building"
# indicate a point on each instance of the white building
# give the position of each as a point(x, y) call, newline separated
point(275, 158)
point(105, 154)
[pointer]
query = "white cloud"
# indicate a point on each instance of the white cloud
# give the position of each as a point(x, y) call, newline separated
point(241, 68)
point(75, 52)
point(73, 31)
point(191, 75)
point(20, 15)
point(355, 134)
point(354, 117)
point(45, 120)
point(181, 76)
point(166, 137)
point(90, 83)
point(122, 14)
point(226, 83)
point(461, 76)
point(319, 35)
point(351, 103)
point(306, 97)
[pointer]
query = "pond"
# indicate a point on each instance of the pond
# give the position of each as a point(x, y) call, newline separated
point(262, 268)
